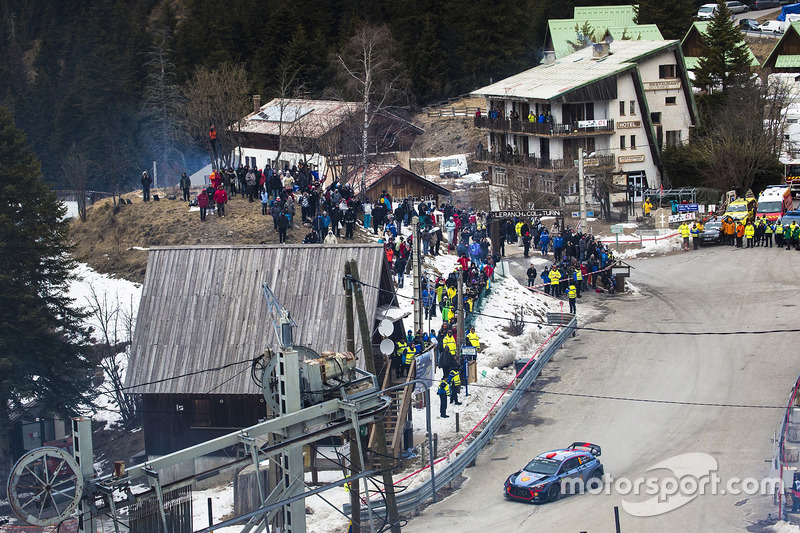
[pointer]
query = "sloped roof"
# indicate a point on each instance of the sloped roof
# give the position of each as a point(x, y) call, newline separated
point(793, 28)
point(612, 19)
point(203, 307)
point(301, 117)
point(788, 61)
point(548, 82)
point(701, 26)
point(376, 173)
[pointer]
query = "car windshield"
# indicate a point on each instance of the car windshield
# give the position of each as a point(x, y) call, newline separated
point(543, 465)
point(713, 226)
point(706, 10)
point(737, 208)
point(769, 207)
point(449, 162)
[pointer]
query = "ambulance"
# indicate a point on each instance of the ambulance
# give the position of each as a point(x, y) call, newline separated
point(774, 202)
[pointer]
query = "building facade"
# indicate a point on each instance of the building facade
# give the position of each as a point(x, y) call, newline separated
point(621, 104)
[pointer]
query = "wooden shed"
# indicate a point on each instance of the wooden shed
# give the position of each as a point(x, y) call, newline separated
point(203, 317)
point(785, 57)
point(399, 183)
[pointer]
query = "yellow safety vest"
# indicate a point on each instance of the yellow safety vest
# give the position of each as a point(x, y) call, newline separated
point(410, 352)
point(578, 275)
point(684, 230)
point(446, 387)
point(749, 231)
point(473, 339)
point(572, 292)
point(779, 229)
point(555, 277)
point(450, 342)
point(455, 377)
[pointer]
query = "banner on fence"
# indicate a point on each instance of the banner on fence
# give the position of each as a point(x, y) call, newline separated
point(424, 370)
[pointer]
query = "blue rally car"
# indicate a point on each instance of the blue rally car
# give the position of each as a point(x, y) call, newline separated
point(551, 474)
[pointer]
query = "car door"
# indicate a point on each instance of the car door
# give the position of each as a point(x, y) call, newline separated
point(570, 477)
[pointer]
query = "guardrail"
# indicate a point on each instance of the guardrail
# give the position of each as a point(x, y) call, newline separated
point(411, 499)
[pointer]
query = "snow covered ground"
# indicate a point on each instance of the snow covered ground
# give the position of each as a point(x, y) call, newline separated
point(113, 303)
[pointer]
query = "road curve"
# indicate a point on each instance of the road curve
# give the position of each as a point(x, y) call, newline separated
point(714, 289)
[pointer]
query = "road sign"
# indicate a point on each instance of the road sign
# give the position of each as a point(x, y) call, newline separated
point(577, 214)
point(617, 228)
point(686, 208)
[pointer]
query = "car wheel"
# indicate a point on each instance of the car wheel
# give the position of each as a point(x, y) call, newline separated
point(554, 492)
point(595, 482)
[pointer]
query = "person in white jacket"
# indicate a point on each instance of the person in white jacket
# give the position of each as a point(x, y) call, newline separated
point(330, 238)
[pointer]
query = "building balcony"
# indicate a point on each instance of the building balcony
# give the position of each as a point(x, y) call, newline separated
point(603, 161)
point(580, 128)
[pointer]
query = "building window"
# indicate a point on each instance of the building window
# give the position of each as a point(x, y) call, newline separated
point(548, 185)
point(633, 107)
point(667, 71)
point(525, 182)
point(621, 108)
point(671, 100)
point(500, 176)
point(201, 413)
point(655, 118)
point(633, 142)
point(573, 188)
point(397, 181)
point(673, 138)
point(621, 142)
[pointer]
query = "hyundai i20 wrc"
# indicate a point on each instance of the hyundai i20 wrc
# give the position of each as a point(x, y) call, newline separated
point(552, 474)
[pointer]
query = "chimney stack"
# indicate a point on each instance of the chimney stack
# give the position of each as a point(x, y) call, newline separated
point(548, 57)
point(600, 50)
point(256, 103)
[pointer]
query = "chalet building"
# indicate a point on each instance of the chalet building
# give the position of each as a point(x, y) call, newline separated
point(620, 103)
point(783, 64)
point(399, 183)
point(203, 317)
point(563, 35)
point(692, 46)
point(324, 133)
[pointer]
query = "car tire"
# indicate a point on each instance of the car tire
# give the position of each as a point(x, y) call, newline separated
point(595, 481)
point(554, 492)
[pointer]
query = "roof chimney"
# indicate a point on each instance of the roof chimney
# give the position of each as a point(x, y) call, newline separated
point(600, 50)
point(256, 103)
point(548, 57)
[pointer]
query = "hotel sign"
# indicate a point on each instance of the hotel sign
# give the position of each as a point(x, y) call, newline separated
point(630, 159)
point(628, 125)
point(662, 85)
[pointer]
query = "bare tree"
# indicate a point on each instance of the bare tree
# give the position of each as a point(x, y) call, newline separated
point(371, 73)
point(76, 167)
point(162, 105)
point(219, 97)
point(115, 329)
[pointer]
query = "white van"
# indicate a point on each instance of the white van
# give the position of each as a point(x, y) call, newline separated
point(453, 166)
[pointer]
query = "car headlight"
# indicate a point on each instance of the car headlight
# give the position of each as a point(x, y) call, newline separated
point(538, 487)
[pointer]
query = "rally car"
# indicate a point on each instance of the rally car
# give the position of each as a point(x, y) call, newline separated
point(551, 474)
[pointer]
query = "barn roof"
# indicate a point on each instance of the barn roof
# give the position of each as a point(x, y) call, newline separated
point(376, 172)
point(204, 307)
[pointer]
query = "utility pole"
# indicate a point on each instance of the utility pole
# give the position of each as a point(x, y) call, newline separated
point(460, 319)
point(416, 275)
point(355, 454)
point(582, 184)
point(380, 430)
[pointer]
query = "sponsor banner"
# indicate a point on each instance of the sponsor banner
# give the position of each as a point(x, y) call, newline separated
point(593, 123)
point(680, 217)
point(424, 370)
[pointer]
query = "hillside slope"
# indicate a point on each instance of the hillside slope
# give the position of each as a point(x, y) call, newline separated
point(117, 243)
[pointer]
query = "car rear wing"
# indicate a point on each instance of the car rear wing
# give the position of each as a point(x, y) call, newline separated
point(594, 449)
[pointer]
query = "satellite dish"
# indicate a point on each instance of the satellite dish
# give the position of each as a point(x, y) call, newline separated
point(609, 39)
point(386, 327)
point(387, 347)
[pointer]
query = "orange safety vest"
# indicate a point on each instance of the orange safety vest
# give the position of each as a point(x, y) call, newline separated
point(213, 134)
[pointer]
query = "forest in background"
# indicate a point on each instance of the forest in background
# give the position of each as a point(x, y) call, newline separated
point(78, 76)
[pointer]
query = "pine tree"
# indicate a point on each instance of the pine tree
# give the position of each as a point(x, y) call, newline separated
point(725, 58)
point(42, 343)
point(673, 17)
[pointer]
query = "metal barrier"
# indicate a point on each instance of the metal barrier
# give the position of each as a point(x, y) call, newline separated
point(411, 499)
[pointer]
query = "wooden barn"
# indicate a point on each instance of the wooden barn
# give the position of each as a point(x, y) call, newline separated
point(203, 317)
point(692, 46)
point(398, 182)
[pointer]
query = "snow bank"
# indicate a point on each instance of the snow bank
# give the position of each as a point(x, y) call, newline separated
point(784, 527)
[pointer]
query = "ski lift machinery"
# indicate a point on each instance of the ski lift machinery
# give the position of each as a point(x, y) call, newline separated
point(313, 395)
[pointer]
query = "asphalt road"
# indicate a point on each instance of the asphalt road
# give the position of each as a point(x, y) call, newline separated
point(716, 289)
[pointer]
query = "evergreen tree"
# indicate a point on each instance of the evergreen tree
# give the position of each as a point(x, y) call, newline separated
point(673, 17)
point(726, 57)
point(42, 343)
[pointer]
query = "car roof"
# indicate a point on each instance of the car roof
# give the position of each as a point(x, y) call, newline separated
point(561, 455)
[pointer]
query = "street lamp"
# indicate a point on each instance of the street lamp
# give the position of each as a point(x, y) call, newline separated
point(582, 182)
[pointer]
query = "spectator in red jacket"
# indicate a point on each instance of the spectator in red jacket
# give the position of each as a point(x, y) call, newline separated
point(202, 202)
point(220, 198)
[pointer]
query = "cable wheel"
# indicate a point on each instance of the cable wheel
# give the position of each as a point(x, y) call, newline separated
point(45, 486)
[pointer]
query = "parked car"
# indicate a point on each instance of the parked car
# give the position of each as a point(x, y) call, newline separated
point(711, 233)
point(772, 26)
point(749, 25)
point(738, 7)
point(573, 469)
point(758, 5)
point(706, 11)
